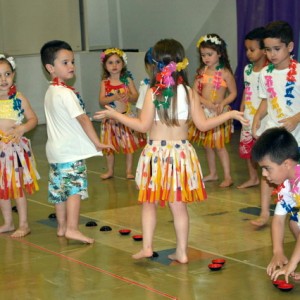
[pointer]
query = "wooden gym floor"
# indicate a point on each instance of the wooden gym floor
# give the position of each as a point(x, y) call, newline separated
point(42, 266)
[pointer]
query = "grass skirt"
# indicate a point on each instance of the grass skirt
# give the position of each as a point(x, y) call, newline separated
point(17, 169)
point(123, 138)
point(214, 138)
point(169, 171)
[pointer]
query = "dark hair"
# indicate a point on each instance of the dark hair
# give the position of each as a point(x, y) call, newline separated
point(164, 52)
point(49, 51)
point(257, 34)
point(219, 48)
point(281, 30)
point(277, 144)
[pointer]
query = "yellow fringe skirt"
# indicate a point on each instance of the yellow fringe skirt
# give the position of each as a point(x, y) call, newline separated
point(214, 138)
point(169, 171)
point(17, 169)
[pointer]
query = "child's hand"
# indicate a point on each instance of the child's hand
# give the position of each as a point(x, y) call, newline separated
point(104, 114)
point(287, 270)
point(238, 115)
point(255, 127)
point(278, 260)
point(123, 97)
point(105, 146)
point(16, 132)
point(289, 123)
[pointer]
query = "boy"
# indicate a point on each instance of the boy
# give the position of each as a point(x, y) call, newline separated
point(71, 139)
point(276, 151)
point(279, 88)
point(256, 54)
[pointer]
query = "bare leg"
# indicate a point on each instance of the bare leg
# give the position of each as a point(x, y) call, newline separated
point(129, 162)
point(253, 176)
point(5, 206)
point(23, 229)
point(61, 217)
point(211, 161)
point(73, 210)
point(181, 225)
point(148, 225)
point(110, 160)
point(225, 162)
point(266, 192)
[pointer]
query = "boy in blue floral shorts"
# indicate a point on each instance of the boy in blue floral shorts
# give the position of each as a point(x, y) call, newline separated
point(71, 139)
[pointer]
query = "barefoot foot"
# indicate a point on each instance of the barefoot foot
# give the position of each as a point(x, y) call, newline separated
point(21, 232)
point(143, 254)
point(248, 183)
point(210, 178)
point(130, 176)
point(260, 221)
point(226, 183)
point(106, 176)
point(78, 236)
point(183, 259)
point(7, 228)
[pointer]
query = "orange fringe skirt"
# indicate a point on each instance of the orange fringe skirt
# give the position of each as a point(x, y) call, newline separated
point(17, 169)
point(169, 171)
point(123, 138)
point(214, 138)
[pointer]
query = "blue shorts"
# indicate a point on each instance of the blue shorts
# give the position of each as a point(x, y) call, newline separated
point(67, 179)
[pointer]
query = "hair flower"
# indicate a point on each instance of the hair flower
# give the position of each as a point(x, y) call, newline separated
point(10, 59)
point(117, 51)
point(182, 65)
point(206, 38)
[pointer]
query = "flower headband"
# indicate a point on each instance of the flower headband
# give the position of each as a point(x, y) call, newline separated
point(117, 51)
point(10, 59)
point(206, 38)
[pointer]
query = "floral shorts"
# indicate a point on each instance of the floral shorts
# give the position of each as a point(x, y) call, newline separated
point(67, 179)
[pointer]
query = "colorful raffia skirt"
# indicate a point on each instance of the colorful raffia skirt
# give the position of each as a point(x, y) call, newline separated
point(17, 169)
point(169, 171)
point(246, 144)
point(214, 138)
point(123, 138)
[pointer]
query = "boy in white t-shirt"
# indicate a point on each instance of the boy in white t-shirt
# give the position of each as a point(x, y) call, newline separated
point(71, 139)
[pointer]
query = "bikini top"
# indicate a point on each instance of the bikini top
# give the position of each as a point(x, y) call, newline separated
point(182, 104)
point(210, 80)
point(111, 90)
point(12, 109)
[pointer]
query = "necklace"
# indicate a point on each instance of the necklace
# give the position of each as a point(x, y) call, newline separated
point(57, 82)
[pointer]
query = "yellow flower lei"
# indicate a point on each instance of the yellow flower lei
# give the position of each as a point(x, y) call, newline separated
point(182, 65)
point(117, 51)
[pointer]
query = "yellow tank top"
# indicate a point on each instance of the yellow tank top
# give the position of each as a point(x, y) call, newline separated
point(12, 109)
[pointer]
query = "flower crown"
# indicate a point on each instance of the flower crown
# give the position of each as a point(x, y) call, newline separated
point(206, 38)
point(117, 51)
point(10, 59)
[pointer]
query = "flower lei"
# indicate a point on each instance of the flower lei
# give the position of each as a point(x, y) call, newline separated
point(165, 82)
point(248, 96)
point(17, 103)
point(289, 87)
point(295, 186)
point(249, 69)
point(206, 38)
point(117, 51)
point(57, 82)
point(125, 76)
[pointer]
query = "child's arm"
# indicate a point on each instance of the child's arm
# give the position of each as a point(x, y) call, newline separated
point(89, 129)
point(242, 106)
point(205, 102)
point(31, 120)
point(290, 123)
point(231, 91)
point(260, 114)
point(289, 269)
point(278, 259)
point(133, 93)
point(104, 100)
point(141, 124)
point(204, 124)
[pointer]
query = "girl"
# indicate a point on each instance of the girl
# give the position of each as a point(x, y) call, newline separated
point(168, 171)
point(118, 91)
point(17, 164)
point(217, 88)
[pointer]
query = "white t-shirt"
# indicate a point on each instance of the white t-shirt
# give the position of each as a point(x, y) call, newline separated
point(142, 94)
point(276, 82)
point(67, 140)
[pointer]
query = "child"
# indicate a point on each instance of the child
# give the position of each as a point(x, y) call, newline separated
point(17, 164)
point(168, 171)
point(217, 88)
point(256, 54)
point(279, 88)
point(117, 90)
point(71, 139)
point(276, 151)
point(144, 85)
